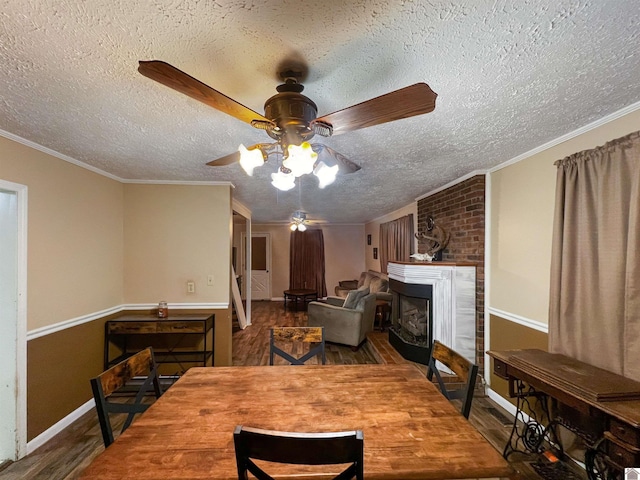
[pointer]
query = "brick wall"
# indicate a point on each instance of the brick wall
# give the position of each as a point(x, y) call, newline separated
point(460, 210)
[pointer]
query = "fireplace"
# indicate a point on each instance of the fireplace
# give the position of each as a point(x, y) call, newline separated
point(433, 301)
point(411, 331)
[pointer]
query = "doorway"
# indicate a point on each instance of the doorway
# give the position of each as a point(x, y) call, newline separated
point(260, 266)
point(13, 400)
point(241, 265)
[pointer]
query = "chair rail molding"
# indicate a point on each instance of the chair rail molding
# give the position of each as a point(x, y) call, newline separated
point(73, 322)
point(519, 319)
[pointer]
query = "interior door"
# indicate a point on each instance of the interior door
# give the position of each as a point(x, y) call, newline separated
point(260, 266)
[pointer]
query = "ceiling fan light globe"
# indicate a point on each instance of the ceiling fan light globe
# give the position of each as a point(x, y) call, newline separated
point(293, 227)
point(283, 181)
point(300, 159)
point(326, 175)
point(302, 227)
point(250, 159)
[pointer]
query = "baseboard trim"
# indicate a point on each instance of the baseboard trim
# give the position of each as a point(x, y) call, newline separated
point(58, 427)
point(503, 402)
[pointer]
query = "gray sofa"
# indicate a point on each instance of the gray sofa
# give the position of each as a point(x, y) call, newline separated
point(377, 282)
point(348, 326)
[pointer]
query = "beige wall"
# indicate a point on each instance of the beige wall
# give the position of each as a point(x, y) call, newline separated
point(75, 235)
point(522, 199)
point(373, 228)
point(522, 202)
point(175, 234)
point(77, 230)
point(343, 248)
point(75, 268)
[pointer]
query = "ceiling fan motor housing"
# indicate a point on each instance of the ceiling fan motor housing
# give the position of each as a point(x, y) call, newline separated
point(292, 113)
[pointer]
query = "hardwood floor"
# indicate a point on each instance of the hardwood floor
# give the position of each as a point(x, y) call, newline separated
point(66, 455)
point(251, 345)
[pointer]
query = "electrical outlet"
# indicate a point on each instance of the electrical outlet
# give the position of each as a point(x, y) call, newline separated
point(210, 280)
point(191, 287)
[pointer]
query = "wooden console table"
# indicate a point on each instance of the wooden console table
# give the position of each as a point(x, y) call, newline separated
point(120, 332)
point(601, 407)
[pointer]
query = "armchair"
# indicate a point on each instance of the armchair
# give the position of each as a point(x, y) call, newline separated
point(377, 282)
point(348, 326)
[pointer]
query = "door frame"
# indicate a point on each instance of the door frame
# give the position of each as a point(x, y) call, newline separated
point(247, 245)
point(244, 264)
point(21, 318)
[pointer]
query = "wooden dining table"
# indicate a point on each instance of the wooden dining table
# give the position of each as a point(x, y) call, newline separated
point(410, 430)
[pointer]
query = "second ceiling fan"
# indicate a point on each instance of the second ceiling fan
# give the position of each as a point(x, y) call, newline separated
point(290, 119)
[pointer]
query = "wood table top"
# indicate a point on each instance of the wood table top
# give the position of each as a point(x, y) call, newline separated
point(148, 317)
point(570, 380)
point(410, 430)
point(300, 291)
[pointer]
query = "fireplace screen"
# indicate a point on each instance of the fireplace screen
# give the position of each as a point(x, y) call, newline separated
point(412, 323)
point(413, 319)
point(411, 330)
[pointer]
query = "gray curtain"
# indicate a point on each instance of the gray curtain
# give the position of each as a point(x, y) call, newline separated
point(396, 241)
point(594, 310)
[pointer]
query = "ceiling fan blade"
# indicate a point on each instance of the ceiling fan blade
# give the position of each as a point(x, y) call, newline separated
point(178, 80)
point(404, 103)
point(267, 148)
point(331, 157)
point(226, 160)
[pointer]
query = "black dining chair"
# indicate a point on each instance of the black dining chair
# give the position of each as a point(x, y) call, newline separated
point(305, 335)
point(330, 448)
point(141, 365)
point(465, 370)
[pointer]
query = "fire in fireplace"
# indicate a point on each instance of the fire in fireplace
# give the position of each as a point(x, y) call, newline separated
point(411, 332)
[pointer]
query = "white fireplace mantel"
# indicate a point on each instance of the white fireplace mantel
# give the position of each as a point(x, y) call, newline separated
point(454, 300)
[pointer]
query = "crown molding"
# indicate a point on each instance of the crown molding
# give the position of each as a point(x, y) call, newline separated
point(61, 156)
point(176, 182)
point(453, 183)
point(78, 163)
point(587, 128)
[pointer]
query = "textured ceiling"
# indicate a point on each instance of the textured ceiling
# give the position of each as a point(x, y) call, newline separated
point(510, 76)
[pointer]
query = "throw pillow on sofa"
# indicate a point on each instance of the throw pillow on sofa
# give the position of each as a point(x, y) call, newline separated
point(354, 296)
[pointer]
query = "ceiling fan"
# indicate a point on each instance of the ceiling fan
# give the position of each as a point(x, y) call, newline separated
point(291, 120)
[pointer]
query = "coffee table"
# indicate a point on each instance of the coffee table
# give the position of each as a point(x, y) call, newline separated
point(299, 296)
